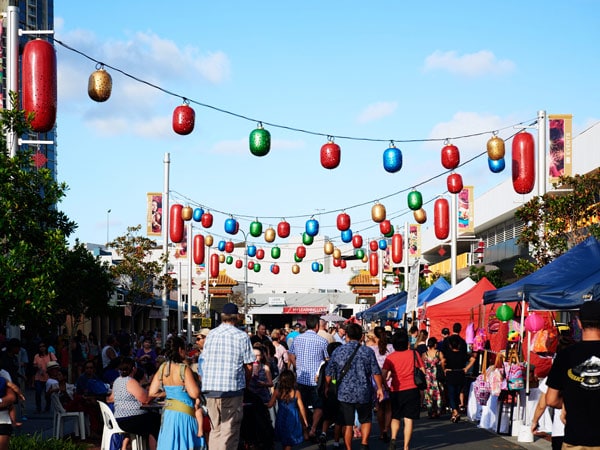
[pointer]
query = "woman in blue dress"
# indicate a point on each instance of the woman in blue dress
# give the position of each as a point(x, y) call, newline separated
point(290, 410)
point(180, 430)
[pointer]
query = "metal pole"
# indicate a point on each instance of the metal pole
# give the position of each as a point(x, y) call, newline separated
point(189, 286)
point(407, 254)
point(165, 238)
point(453, 239)
point(542, 142)
point(179, 297)
point(107, 227)
point(207, 270)
point(381, 274)
point(245, 276)
point(12, 69)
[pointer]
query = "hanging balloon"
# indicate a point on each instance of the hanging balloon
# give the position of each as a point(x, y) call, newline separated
point(260, 253)
point(198, 249)
point(229, 259)
point(295, 269)
point(505, 313)
point(312, 227)
point(239, 263)
point(229, 246)
point(420, 215)
point(534, 322)
point(454, 183)
point(221, 245)
point(307, 239)
point(274, 269)
point(359, 253)
point(183, 119)
point(330, 154)
point(346, 236)
point(251, 251)
point(357, 241)
point(176, 225)
point(270, 234)
point(328, 248)
point(301, 251)
point(260, 141)
point(214, 265)
point(343, 221)
point(283, 229)
point(496, 166)
point(230, 225)
point(374, 264)
point(255, 228)
point(100, 85)
point(336, 262)
point(523, 163)
point(256, 267)
point(314, 266)
point(397, 248)
point(343, 263)
point(495, 148)
point(208, 240)
point(382, 244)
point(378, 213)
point(450, 156)
point(415, 200)
point(385, 226)
point(221, 258)
point(373, 246)
point(392, 159)
point(275, 252)
point(337, 253)
point(320, 267)
point(207, 220)
point(197, 216)
point(441, 218)
point(250, 265)
point(39, 84)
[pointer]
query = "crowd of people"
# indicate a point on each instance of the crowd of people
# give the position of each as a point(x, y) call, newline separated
point(288, 385)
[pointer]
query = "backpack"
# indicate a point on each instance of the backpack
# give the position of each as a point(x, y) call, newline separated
point(514, 375)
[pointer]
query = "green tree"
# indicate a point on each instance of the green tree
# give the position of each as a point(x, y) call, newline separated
point(559, 220)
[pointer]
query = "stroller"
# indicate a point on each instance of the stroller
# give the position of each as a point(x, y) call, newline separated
point(256, 432)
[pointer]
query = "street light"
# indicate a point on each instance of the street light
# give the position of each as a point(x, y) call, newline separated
point(107, 226)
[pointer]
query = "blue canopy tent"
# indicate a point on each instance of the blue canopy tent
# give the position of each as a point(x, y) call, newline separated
point(561, 284)
point(438, 287)
point(389, 302)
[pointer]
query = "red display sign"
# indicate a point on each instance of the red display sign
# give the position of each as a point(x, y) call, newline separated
point(304, 310)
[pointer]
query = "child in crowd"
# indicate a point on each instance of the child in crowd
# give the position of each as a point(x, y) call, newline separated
point(291, 413)
point(12, 411)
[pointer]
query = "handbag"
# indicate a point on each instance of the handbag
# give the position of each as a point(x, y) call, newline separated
point(334, 385)
point(419, 376)
point(482, 387)
point(514, 375)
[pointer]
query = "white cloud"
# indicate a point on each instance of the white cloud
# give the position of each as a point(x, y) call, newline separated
point(476, 64)
point(377, 111)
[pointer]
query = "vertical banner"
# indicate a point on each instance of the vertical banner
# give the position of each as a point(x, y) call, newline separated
point(414, 240)
point(154, 214)
point(1, 59)
point(559, 152)
point(413, 287)
point(466, 222)
point(387, 259)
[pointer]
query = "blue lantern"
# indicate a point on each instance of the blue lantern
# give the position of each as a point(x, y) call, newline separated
point(392, 159)
point(230, 225)
point(197, 215)
point(221, 246)
point(496, 165)
point(347, 235)
point(315, 266)
point(382, 244)
point(312, 227)
point(252, 251)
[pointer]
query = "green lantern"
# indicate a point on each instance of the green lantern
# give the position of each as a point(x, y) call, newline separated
point(256, 267)
point(255, 228)
point(390, 234)
point(297, 258)
point(415, 200)
point(229, 259)
point(260, 141)
point(307, 239)
point(359, 253)
point(320, 267)
point(505, 313)
point(275, 252)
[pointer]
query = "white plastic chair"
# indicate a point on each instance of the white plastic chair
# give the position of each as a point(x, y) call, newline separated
point(112, 427)
point(60, 415)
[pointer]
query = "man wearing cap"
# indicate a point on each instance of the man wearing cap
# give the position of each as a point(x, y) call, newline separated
point(228, 359)
point(574, 382)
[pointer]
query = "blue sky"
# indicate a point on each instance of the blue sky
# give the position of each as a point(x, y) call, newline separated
point(385, 70)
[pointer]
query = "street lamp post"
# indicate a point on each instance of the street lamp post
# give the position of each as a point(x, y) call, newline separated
point(107, 226)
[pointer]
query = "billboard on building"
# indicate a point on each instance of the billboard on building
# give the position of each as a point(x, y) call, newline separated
point(414, 240)
point(466, 202)
point(560, 148)
point(154, 214)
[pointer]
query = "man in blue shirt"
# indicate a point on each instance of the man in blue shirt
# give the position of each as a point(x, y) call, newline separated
point(355, 392)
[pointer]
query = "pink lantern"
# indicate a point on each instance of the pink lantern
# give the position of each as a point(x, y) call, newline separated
point(534, 322)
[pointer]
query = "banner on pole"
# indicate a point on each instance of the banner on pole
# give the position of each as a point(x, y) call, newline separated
point(154, 214)
point(560, 148)
point(414, 240)
point(413, 287)
point(466, 202)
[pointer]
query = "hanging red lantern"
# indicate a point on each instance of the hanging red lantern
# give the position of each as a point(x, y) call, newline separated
point(495, 148)
point(373, 245)
point(441, 218)
point(239, 263)
point(184, 117)
point(415, 200)
point(260, 141)
point(229, 246)
point(260, 253)
point(378, 213)
point(374, 264)
point(450, 156)
point(343, 221)
point(357, 241)
point(250, 265)
point(214, 265)
point(523, 163)
point(269, 234)
point(397, 248)
point(295, 269)
point(198, 249)
point(454, 183)
point(274, 269)
point(385, 227)
point(187, 212)
point(343, 264)
point(38, 85)
point(330, 154)
point(100, 85)
point(301, 251)
point(283, 229)
point(176, 225)
point(207, 219)
point(420, 216)
point(336, 262)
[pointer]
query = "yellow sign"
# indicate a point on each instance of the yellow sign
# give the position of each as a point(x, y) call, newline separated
point(206, 322)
